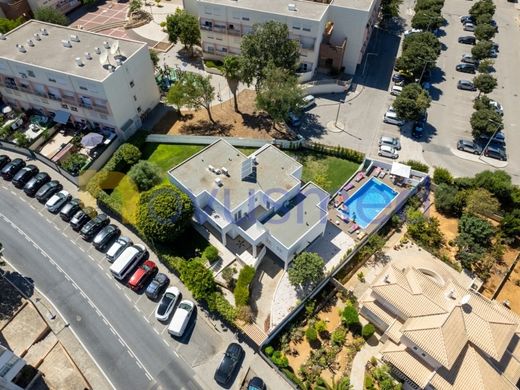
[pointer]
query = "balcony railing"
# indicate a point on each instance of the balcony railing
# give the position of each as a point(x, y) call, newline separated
point(101, 109)
point(69, 99)
point(219, 29)
point(234, 31)
point(206, 28)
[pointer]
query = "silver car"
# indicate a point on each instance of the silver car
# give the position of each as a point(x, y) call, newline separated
point(390, 141)
point(387, 151)
point(117, 247)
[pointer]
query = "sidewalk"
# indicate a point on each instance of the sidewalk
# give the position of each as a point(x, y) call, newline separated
point(480, 159)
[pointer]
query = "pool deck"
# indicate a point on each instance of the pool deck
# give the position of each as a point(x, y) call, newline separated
point(402, 191)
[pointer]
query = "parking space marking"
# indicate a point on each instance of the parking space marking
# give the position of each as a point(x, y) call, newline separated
point(91, 258)
point(112, 330)
point(138, 299)
point(91, 304)
point(127, 297)
point(130, 353)
point(152, 313)
point(156, 331)
point(83, 294)
point(98, 313)
point(146, 319)
point(120, 341)
point(164, 329)
point(139, 365)
point(12, 192)
point(81, 249)
point(148, 376)
point(74, 285)
point(165, 342)
point(106, 322)
point(100, 267)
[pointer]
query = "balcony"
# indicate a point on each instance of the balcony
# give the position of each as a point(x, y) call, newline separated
point(206, 27)
point(69, 99)
point(54, 97)
point(219, 28)
point(233, 30)
point(26, 88)
point(98, 108)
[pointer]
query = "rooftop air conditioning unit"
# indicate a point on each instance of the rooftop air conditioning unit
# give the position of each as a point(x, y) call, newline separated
point(291, 7)
point(74, 38)
point(79, 61)
point(218, 171)
point(451, 294)
point(211, 168)
point(253, 160)
point(97, 50)
point(66, 43)
point(106, 45)
point(37, 37)
point(88, 56)
point(387, 278)
point(218, 181)
point(44, 31)
point(225, 171)
point(21, 48)
point(30, 42)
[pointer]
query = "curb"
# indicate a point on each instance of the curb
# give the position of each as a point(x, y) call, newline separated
point(479, 159)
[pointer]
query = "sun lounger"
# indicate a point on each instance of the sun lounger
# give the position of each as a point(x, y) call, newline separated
point(343, 217)
point(377, 171)
point(348, 186)
point(360, 176)
point(361, 234)
point(382, 174)
point(338, 201)
point(354, 228)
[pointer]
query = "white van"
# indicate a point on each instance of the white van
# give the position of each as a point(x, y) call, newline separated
point(127, 261)
point(181, 318)
point(392, 118)
point(396, 90)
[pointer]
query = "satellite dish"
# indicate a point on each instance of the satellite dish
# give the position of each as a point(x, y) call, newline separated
point(465, 299)
point(103, 58)
point(115, 47)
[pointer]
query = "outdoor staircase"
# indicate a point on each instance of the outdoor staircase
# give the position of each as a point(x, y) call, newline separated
point(107, 26)
point(254, 333)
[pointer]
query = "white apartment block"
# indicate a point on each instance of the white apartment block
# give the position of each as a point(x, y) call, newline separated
point(10, 367)
point(78, 76)
point(253, 203)
point(333, 34)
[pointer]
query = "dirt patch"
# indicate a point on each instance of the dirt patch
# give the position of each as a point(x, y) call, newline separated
point(497, 274)
point(449, 228)
point(344, 362)
point(511, 291)
point(248, 123)
point(331, 315)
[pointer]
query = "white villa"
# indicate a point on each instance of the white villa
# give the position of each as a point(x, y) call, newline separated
point(257, 201)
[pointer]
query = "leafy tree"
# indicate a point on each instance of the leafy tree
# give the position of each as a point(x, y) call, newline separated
point(135, 5)
point(89, 2)
point(126, 156)
point(390, 8)
point(485, 66)
point(368, 331)
point(485, 122)
point(412, 102)
point(145, 175)
point(481, 103)
point(339, 336)
point(268, 44)
point(424, 230)
point(7, 25)
point(194, 91)
point(21, 139)
point(427, 20)
point(311, 334)
point(154, 57)
point(484, 32)
point(424, 38)
point(232, 71)
point(481, 50)
point(442, 175)
point(51, 15)
point(227, 275)
point(279, 359)
point(183, 27)
point(279, 94)
point(477, 229)
point(416, 58)
point(306, 269)
point(481, 201)
point(163, 213)
point(498, 183)
point(350, 316)
point(485, 83)
point(433, 5)
point(197, 278)
point(510, 224)
point(211, 254)
point(449, 200)
point(482, 7)
point(484, 19)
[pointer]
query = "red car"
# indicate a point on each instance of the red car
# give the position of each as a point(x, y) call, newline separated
point(142, 274)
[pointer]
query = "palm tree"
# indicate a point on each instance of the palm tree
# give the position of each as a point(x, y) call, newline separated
point(232, 71)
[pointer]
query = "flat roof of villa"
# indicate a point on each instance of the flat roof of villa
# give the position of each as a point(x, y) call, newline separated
point(307, 209)
point(49, 52)
point(274, 173)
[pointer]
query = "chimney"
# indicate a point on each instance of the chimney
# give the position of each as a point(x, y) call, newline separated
point(37, 37)
point(21, 48)
point(451, 294)
point(211, 168)
point(225, 171)
point(387, 278)
point(106, 45)
point(79, 61)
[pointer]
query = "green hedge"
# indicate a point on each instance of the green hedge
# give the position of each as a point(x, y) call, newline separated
point(241, 292)
point(417, 166)
point(217, 302)
point(368, 331)
point(337, 151)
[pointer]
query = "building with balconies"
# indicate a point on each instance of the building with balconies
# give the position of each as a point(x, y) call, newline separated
point(77, 76)
point(333, 35)
point(253, 203)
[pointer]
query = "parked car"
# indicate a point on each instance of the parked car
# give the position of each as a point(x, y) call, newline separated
point(396, 90)
point(82, 217)
point(466, 68)
point(294, 120)
point(105, 237)
point(4, 160)
point(418, 129)
point(308, 101)
point(469, 27)
point(466, 85)
point(11, 168)
point(387, 151)
point(498, 138)
point(469, 59)
point(167, 303)
point(497, 107)
point(57, 201)
point(469, 146)
point(24, 175)
point(35, 183)
point(256, 384)
point(399, 79)
point(493, 53)
point(468, 40)
point(71, 208)
point(48, 190)
point(495, 152)
point(412, 31)
point(141, 275)
point(117, 247)
point(390, 141)
point(92, 227)
point(181, 318)
point(229, 363)
point(392, 118)
point(157, 285)
point(467, 19)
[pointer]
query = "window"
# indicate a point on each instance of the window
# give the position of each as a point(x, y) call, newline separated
point(83, 88)
point(132, 84)
point(23, 75)
point(306, 27)
point(74, 108)
point(236, 15)
point(53, 80)
point(64, 106)
point(245, 18)
point(139, 109)
point(135, 98)
point(231, 27)
point(219, 39)
point(30, 73)
point(207, 10)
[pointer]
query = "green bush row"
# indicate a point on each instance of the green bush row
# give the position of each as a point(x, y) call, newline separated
point(337, 151)
point(417, 166)
point(241, 292)
point(218, 303)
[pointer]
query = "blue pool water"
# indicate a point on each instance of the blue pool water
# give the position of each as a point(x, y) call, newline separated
point(367, 202)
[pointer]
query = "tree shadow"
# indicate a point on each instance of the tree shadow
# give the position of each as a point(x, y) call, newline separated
point(194, 59)
point(10, 298)
point(312, 127)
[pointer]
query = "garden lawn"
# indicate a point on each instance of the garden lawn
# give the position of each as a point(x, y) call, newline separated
point(166, 156)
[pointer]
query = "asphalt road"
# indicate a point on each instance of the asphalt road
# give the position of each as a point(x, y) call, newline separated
point(123, 343)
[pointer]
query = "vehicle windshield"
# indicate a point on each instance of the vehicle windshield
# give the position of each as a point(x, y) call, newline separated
point(185, 306)
point(165, 302)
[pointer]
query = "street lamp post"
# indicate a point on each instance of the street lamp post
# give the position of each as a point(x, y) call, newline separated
point(337, 113)
point(500, 126)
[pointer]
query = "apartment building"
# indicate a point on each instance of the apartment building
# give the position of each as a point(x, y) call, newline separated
point(253, 203)
point(439, 334)
point(333, 34)
point(10, 367)
point(77, 76)
point(14, 9)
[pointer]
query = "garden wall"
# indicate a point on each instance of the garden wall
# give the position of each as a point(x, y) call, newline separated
point(207, 140)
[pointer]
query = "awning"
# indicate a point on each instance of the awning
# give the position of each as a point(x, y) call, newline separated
point(401, 170)
point(61, 117)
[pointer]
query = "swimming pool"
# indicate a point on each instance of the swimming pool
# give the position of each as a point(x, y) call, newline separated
point(367, 202)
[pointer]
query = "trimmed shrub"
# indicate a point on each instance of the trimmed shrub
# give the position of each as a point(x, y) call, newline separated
point(269, 350)
point(339, 336)
point(197, 278)
point(227, 275)
point(417, 166)
point(368, 331)
point(241, 291)
point(163, 213)
point(123, 158)
point(218, 303)
point(311, 334)
point(350, 316)
point(210, 254)
point(145, 175)
point(245, 313)
point(279, 359)
point(320, 326)
point(442, 175)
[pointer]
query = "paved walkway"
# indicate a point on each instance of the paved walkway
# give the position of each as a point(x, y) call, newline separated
point(357, 373)
point(106, 18)
point(480, 159)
